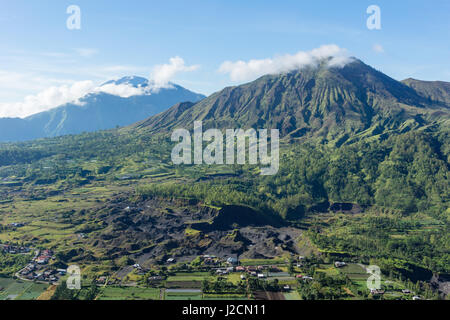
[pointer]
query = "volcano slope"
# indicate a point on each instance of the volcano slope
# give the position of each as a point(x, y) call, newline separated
point(352, 137)
point(331, 104)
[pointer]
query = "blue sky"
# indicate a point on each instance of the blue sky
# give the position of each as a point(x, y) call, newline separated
point(119, 38)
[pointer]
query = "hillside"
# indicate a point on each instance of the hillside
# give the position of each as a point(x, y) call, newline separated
point(332, 104)
point(377, 193)
point(434, 91)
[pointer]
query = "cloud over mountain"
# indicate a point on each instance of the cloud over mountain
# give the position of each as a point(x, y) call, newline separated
point(163, 73)
point(252, 69)
point(56, 96)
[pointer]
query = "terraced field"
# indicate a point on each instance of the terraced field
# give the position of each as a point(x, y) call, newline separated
point(129, 293)
point(183, 294)
point(11, 289)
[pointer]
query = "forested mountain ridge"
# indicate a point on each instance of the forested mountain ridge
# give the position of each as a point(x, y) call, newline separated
point(327, 103)
point(437, 91)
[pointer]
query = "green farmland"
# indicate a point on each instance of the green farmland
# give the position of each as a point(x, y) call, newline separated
point(11, 289)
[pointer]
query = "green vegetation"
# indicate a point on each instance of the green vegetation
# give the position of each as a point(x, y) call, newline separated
point(182, 296)
point(400, 187)
point(11, 263)
point(385, 174)
point(20, 290)
point(395, 242)
point(87, 292)
point(364, 178)
point(129, 293)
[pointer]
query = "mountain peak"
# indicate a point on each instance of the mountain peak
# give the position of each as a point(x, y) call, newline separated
point(332, 103)
point(141, 82)
point(134, 81)
point(104, 109)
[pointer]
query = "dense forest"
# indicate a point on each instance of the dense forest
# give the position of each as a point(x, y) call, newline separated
point(406, 174)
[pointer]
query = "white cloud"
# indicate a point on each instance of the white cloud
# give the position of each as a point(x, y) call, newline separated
point(162, 74)
point(252, 69)
point(47, 91)
point(121, 90)
point(378, 48)
point(55, 96)
point(16, 83)
point(86, 52)
point(46, 99)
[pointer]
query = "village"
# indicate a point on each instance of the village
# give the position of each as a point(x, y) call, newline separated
point(39, 268)
point(210, 276)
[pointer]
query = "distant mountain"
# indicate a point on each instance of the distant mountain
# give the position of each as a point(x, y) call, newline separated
point(328, 103)
point(97, 111)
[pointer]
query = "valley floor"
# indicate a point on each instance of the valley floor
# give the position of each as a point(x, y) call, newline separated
point(124, 244)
